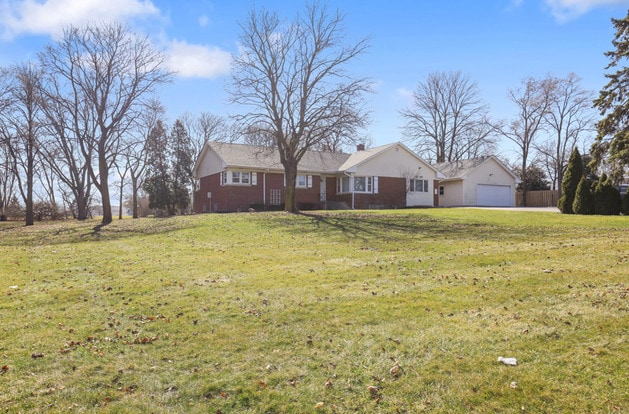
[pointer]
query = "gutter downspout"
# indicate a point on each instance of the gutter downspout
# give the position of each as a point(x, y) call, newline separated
point(264, 189)
point(351, 181)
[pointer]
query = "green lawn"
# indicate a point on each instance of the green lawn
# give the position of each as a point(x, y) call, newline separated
point(399, 311)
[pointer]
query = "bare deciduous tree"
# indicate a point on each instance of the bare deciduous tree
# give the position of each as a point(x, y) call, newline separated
point(61, 150)
point(7, 178)
point(206, 127)
point(568, 118)
point(134, 152)
point(108, 72)
point(20, 129)
point(292, 80)
point(533, 100)
point(448, 120)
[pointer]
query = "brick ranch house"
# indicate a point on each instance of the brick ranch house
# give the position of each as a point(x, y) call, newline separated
point(236, 177)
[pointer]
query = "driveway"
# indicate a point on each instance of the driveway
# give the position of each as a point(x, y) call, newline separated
point(538, 209)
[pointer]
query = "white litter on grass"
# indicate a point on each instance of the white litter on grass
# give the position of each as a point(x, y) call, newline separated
point(508, 361)
point(13, 287)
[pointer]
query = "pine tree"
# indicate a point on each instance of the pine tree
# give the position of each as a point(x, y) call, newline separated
point(624, 205)
point(182, 164)
point(606, 198)
point(158, 182)
point(169, 168)
point(612, 140)
point(571, 179)
point(583, 199)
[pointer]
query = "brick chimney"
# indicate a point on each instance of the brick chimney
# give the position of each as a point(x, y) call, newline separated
point(360, 147)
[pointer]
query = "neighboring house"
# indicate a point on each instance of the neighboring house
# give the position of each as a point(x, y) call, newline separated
point(479, 182)
point(236, 177)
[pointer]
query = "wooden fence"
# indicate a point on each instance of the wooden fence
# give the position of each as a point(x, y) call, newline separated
point(543, 198)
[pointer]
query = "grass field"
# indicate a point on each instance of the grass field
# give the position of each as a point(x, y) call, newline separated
point(399, 311)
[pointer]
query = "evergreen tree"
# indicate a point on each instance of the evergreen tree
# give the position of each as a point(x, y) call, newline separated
point(606, 198)
point(613, 130)
point(535, 179)
point(159, 182)
point(583, 199)
point(571, 179)
point(624, 205)
point(182, 164)
point(169, 168)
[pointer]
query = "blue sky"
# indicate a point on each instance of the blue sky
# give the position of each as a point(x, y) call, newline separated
point(497, 43)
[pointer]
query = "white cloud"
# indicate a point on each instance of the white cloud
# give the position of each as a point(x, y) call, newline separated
point(198, 61)
point(50, 16)
point(564, 10)
point(404, 94)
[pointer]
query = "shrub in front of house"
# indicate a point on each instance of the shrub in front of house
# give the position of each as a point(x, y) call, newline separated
point(256, 206)
point(624, 205)
point(583, 199)
point(606, 198)
point(574, 172)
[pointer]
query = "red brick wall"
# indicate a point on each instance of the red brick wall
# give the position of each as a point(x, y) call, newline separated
point(391, 194)
point(240, 197)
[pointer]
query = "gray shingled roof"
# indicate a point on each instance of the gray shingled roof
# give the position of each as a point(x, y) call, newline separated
point(459, 169)
point(259, 157)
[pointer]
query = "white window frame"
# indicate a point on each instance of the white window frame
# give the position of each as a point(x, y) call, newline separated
point(242, 178)
point(418, 185)
point(303, 181)
point(347, 185)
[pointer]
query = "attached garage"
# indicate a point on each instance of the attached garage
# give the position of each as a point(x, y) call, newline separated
point(493, 195)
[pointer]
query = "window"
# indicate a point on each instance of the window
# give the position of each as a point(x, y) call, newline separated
point(418, 186)
point(361, 184)
point(239, 178)
point(342, 185)
point(442, 190)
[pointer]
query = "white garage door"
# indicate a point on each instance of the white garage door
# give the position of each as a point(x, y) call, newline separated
point(493, 195)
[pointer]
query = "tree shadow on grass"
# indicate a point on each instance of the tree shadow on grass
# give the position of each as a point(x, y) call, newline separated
point(86, 231)
point(385, 227)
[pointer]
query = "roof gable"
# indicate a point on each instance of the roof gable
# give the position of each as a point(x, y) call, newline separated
point(361, 157)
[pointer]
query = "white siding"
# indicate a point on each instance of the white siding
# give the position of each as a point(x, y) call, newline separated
point(453, 194)
point(395, 162)
point(210, 164)
point(490, 173)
